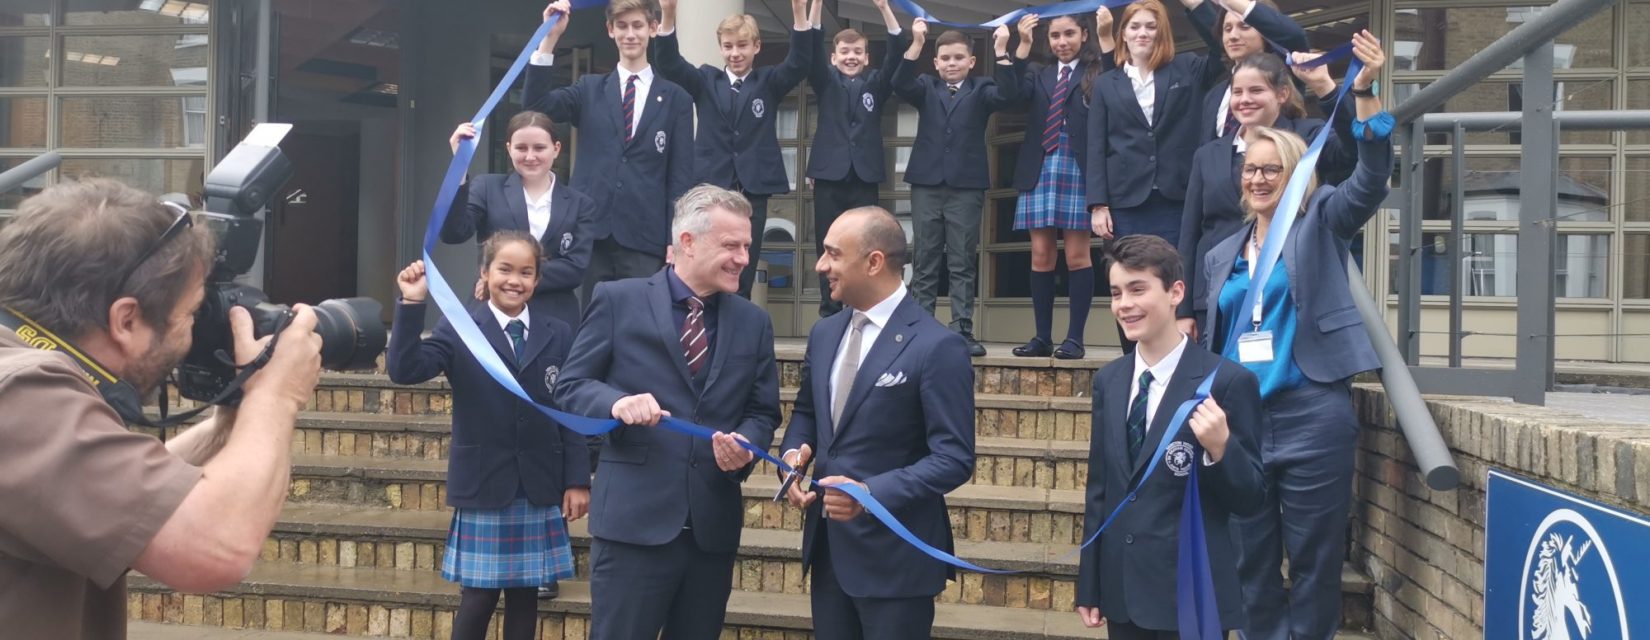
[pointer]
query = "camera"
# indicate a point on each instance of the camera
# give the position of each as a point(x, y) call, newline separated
point(351, 329)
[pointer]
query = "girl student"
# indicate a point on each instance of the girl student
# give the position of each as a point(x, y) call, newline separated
point(514, 476)
point(1052, 206)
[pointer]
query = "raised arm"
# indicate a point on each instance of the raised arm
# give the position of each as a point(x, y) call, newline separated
point(539, 92)
point(1355, 202)
point(412, 359)
point(667, 55)
point(799, 61)
point(1005, 92)
point(905, 77)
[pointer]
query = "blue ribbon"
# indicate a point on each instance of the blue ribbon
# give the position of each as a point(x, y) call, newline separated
point(1071, 7)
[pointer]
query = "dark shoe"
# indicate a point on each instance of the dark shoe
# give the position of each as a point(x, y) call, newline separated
point(550, 592)
point(1069, 350)
point(1034, 348)
point(975, 349)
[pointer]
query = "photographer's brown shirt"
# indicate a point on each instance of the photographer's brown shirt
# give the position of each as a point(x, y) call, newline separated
point(80, 499)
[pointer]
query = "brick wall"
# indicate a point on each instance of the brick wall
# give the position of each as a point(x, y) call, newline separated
point(1424, 549)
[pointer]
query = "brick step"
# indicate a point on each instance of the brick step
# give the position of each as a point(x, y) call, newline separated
point(979, 512)
point(769, 559)
point(362, 601)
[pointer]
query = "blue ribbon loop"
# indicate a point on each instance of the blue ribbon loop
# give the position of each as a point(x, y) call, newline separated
point(1198, 615)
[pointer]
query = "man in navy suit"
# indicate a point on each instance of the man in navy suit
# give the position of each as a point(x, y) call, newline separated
point(1128, 576)
point(635, 155)
point(847, 162)
point(737, 147)
point(666, 511)
point(887, 403)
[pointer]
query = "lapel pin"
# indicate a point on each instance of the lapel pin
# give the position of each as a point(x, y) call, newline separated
point(658, 98)
point(899, 337)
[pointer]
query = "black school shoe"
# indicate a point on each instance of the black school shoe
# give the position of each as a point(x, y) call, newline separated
point(975, 349)
point(1034, 348)
point(1069, 350)
point(550, 592)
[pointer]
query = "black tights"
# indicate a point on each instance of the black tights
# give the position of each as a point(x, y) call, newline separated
point(476, 606)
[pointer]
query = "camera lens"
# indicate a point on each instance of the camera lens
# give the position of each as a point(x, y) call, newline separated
point(352, 333)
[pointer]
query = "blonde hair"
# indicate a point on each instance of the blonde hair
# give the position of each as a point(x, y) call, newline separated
point(616, 8)
point(1290, 149)
point(740, 25)
point(1163, 48)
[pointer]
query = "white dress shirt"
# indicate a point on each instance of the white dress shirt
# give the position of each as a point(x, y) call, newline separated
point(644, 82)
point(733, 78)
point(538, 211)
point(879, 315)
point(1161, 373)
point(1145, 87)
point(504, 320)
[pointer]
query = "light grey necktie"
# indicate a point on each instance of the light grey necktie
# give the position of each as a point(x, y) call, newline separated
point(850, 368)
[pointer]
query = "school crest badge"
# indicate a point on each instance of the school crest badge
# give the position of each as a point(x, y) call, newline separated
point(869, 101)
point(758, 107)
point(659, 141)
point(567, 240)
point(1179, 458)
point(550, 374)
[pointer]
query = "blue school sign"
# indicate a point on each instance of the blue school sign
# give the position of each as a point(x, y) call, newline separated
point(1559, 567)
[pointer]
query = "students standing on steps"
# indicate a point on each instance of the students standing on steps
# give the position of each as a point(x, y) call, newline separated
point(847, 161)
point(514, 476)
point(1049, 176)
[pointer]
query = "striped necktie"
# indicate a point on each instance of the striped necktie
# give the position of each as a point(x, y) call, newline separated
point(630, 108)
point(1137, 416)
point(694, 341)
point(1057, 112)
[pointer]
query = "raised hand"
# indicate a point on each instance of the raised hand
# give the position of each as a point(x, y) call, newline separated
point(465, 130)
point(1368, 50)
point(1208, 423)
point(414, 288)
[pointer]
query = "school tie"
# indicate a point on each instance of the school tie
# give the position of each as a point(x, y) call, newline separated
point(518, 337)
point(694, 341)
point(1231, 123)
point(850, 368)
point(737, 85)
point(953, 88)
point(630, 108)
point(1137, 416)
point(1057, 112)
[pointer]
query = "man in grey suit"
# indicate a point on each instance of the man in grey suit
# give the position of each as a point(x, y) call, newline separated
point(887, 402)
point(665, 514)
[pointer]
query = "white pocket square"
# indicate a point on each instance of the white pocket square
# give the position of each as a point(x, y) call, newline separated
point(891, 379)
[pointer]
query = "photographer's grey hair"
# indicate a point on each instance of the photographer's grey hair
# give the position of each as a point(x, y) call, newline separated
point(63, 253)
point(693, 210)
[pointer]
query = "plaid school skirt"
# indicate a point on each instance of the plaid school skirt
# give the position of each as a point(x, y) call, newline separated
point(1060, 199)
point(521, 545)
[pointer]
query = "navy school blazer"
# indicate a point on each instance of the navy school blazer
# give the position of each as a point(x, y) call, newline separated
point(653, 481)
point(1330, 342)
point(906, 431)
point(495, 202)
point(502, 447)
point(950, 145)
point(1272, 25)
point(737, 141)
point(634, 184)
point(1128, 157)
point(1130, 572)
point(848, 136)
point(1214, 207)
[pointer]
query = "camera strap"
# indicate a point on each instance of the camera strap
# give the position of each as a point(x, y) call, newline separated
point(120, 395)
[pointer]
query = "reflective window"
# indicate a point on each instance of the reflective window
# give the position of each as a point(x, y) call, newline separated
point(25, 61)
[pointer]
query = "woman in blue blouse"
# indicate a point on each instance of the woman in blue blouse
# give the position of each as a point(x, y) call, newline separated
point(1303, 338)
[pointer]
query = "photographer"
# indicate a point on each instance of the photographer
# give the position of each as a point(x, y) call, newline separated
point(105, 271)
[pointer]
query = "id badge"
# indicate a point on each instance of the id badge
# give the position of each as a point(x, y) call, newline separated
point(1255, 346)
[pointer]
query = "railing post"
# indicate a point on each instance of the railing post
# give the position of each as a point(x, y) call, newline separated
point(1409, 241)
point(1537, 202)
point(1458, 161)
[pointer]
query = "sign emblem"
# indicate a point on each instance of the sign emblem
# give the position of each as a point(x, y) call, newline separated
point(550, 375)
point(1179, 458)
point(869, 101)
point(758, 107)
point(659, 141)
point(567, 238)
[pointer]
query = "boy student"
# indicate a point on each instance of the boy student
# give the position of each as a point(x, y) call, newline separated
point(635, 144)
point(948, 169)
point(1135, 397)
point(738, 104)
point(846, 162)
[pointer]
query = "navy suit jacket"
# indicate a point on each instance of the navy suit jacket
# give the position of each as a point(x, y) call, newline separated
point(654, 481)
point(501, 445)
point(633, 183)
point(495, 202)
point(737, 141)
point(1214, 206)
point(1272, 24)
point(950, 145)
point(1330, 342)
point(1037, 89)
point(848, 136)
point(1128, 156)
point(907, 432)
point(1129, 573)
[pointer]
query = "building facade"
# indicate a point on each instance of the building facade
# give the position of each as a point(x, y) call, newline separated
point(152, 91)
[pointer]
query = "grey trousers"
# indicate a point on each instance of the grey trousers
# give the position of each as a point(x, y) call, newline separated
point(946, 223)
